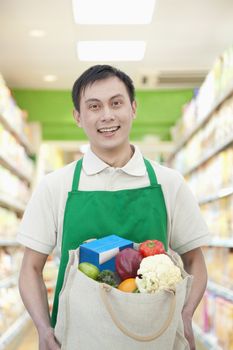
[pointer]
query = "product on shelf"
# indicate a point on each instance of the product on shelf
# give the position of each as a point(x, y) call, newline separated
point(204, 314)
point(10, 261)
point(215, 134)
point(214, 316)
point(219, 169)
point(218, 215)
point(217, 83)
point(220, 266)
point(12, 186)
point(216, 260)
point(9, 109)
point(224, 323)
point(16, 169)
point(14, 153)
point(204, 154)
point(209, 312)
point(9, 223)
point(11, 307)
point(231, 211)
point(205, 97)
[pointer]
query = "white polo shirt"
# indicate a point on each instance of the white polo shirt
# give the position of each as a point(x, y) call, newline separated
point(42, 224)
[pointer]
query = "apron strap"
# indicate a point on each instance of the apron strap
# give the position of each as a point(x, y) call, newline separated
point(151, 173)
point(77, 173)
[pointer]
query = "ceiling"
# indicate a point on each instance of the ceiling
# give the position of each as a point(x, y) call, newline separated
point(183, 40)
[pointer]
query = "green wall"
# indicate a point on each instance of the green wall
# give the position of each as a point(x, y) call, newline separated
point(157, 112)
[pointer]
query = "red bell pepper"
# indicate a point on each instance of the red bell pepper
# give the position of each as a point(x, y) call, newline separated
point(151, 247)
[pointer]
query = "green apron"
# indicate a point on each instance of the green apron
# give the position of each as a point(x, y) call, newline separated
point(136, 214)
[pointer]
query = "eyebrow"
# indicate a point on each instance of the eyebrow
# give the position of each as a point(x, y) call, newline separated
point(97, 100)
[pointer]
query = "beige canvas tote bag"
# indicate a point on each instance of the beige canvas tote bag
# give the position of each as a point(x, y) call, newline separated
point(95, 316)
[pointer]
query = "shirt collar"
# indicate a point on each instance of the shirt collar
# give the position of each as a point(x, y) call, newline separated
point(92, 164)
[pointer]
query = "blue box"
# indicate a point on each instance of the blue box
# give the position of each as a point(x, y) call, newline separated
point(101, 252)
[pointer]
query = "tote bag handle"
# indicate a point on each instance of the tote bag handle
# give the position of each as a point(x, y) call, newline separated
point(103, 292)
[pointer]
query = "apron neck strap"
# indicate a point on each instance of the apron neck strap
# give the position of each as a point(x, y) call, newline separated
point(151, 172)
point(78, 167)
point(77, 173)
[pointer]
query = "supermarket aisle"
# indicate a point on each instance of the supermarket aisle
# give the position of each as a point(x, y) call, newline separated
point(204, 151)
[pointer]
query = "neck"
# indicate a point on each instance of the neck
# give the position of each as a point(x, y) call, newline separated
point(116, 159)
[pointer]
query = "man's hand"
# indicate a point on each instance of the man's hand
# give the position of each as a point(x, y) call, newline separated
point(188, 330)
point(47, 340)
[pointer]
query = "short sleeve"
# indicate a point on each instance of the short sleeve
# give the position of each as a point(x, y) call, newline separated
point(188, 228)
point(38, 227)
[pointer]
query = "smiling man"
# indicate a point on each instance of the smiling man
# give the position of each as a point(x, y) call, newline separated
point(106, 112)
point(112, 190)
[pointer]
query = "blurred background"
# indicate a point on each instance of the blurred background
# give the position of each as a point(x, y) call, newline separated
point(180, 57)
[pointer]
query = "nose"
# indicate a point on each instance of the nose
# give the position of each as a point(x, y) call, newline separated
point(107, 114)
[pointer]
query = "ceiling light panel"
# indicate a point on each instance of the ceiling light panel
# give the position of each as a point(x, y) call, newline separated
point(37, 33)
point(106, 51)
point(50, 78)
point(113, 11)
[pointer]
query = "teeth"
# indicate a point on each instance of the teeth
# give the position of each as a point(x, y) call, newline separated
point(108, 129)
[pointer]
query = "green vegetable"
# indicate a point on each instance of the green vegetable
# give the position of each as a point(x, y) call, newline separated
point(89, 269)
point(108, 277)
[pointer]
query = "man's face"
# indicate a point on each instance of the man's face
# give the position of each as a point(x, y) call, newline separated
point(106, 114)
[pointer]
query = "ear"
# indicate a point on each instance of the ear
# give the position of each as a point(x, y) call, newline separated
point(134, 109)
point(77, 118)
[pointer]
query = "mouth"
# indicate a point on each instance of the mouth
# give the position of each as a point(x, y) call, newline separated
point(108, 130)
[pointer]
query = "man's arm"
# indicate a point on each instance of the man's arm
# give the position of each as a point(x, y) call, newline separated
point(34, 295)
point(194, 264)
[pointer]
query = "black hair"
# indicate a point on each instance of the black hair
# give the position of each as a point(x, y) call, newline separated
point(100, 72)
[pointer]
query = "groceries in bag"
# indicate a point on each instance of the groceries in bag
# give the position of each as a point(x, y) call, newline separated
point(117, 314)
point(156, 273)
point(102, 252)
point(146, 270)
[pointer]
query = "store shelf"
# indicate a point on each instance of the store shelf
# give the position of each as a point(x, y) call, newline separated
point(8, 243)
point(11, 203)
point(219, 242)
point(9, 281)
point(224, 192)
point(210, 154)
point(50, 284)
point(20, 137)
point(220, 290)
point(8, 164)
point(203, 121)
point(208, 340)
point(14, 330)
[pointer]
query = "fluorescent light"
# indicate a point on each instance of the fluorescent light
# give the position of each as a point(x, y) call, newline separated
point(113, 11)
point(37, 33)
point(111, 50)
point(50, 78)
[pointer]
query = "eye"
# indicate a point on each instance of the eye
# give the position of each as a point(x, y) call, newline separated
point(94, 106)
point(116, 103)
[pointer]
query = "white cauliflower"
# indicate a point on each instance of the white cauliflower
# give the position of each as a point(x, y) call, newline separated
point(157, 272)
